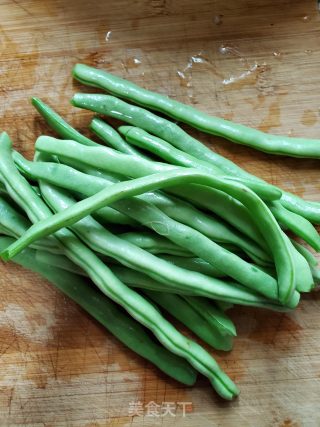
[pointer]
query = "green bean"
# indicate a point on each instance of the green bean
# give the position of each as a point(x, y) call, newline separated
point(213, 315)
point(305, 208)
point(295, 223)
point(97, 103)
point(134, 303)
point(224, 306)
point(173, 207)
point(194, 264)
point(15, 225)
point(273, 144)
point(105, 159)
point(303, 274)
point(105, 132)
point(136, 279)
point(174, 156)
point(190, 239)
point(132, 278)
point(186, 314)
point(57, 123)
point(176, 136)
point(110, 215)
point(126, 329)
point(61, 261)
point(260, 214)
point(100, 240)
point(2, 188)
point(155, 244)
point(111, 137)
point(316, 276)
point(311, 259)
point(63, 176)
point(57, 260)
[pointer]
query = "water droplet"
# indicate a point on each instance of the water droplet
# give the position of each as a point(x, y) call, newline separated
point(245, 74)
point(198, 59)
point(185, 81)
point(108, 36)
point(217, 19)
point(308, 51)
point(131, 62)
point(223, 50)
point(305, 18)
point(276, 54)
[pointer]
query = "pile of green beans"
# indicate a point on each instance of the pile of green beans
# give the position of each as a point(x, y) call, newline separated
point(153, 222)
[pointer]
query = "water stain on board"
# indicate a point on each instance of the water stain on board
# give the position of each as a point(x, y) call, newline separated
point(309, 118)
point(288, 422)
point(272, 119)
point(253, 75)
point(131, 62)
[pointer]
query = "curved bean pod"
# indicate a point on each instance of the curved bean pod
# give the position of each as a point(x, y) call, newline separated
point(100, 104)
point(135, 279)
point(106, 159)
point(179, 308)
point(299, 225)
point(311, 259)
point(104, 242)
point(57, 123)
point(213, 315)
point(111, 137)
point(167, 152)
point(296, 223)
point(175, 135)
point(273, 144)
point(76, 181)
point(156, 244)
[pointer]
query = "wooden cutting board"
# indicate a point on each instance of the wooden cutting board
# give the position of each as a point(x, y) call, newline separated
point(253, 61)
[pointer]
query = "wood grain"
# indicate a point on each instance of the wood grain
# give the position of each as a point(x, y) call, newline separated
point(253, 61)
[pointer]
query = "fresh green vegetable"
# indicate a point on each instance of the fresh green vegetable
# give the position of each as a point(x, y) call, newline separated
point(111, 137)
point(273, 144)
point(261, 215)
point(299, 225)
point(172, 133)
point(134, 303)
point(106, 312)
point(140, 209)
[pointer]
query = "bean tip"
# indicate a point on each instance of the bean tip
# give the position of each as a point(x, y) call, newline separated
point(4, 255)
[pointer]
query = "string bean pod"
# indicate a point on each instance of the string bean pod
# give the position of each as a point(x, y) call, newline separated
point(273, 144)
point(172, 133)
point(101, 240)
point(134, 303)
point(299, 225)
point(76, 181)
